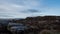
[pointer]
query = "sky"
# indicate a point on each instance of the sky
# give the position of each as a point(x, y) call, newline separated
point(28, 8)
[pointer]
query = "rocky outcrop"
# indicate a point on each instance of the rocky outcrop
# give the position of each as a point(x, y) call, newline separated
point(38, 24)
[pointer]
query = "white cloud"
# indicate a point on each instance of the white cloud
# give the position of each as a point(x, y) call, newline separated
point(11, 10)
point(14, 8)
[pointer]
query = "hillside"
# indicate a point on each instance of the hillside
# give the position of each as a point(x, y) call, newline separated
point(39, 24)
point(42, 22)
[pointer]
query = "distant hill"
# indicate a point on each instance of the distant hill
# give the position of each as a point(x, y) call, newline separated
point(35, 21)
point(38, 24)
point(43, 22)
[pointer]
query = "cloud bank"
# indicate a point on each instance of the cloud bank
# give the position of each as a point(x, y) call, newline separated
point(25, 8)
point(16, 8)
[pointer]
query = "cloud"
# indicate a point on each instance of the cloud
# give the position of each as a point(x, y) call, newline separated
point(31, 11)
point(25, 8)
point(13, 8)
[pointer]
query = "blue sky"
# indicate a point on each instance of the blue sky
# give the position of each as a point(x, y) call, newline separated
point(26, 8)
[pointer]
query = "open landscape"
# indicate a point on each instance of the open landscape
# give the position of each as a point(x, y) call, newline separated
point(29, 16)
